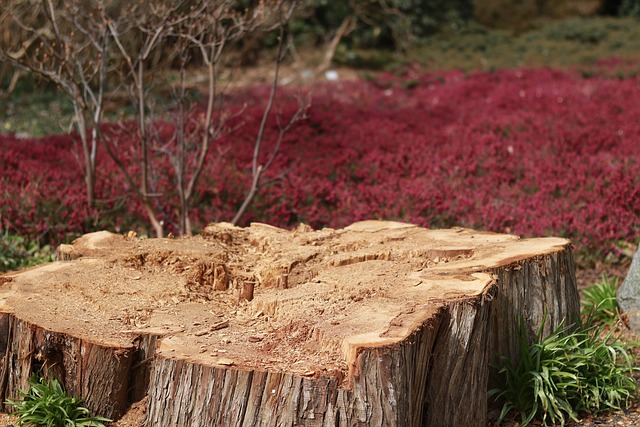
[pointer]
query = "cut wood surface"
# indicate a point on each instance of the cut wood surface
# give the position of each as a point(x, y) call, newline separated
point(378, 324)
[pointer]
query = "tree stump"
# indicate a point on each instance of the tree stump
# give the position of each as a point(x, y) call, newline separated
point(377, 324)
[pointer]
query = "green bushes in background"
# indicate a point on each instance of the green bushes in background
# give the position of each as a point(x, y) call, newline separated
point(629, 8)
point(17, 252)
point(390, 24)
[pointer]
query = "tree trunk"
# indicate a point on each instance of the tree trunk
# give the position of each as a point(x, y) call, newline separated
point(378, 324)
point(97, 372)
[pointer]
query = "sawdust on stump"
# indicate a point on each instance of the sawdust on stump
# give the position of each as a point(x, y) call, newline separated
point(330, 312)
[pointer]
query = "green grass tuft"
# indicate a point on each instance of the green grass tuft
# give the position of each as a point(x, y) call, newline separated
point(600, 304)
point(47, 404)
point(573, 370)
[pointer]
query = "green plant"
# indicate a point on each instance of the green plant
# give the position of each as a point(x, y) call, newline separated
point(574, 369)
point(600, 304)
point(389, 24)
point(578, 30)
point(629, 8)
point(17, 252)
point(47, 404)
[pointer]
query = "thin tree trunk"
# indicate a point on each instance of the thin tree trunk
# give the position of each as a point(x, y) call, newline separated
point(346, 26)
point(89, 165)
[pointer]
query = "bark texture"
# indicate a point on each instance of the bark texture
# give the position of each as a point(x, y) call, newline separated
point(97, 373)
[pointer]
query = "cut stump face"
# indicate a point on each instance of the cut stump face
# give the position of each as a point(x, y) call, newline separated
point(380, 323)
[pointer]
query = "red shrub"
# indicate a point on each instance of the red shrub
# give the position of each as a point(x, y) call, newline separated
point(533, 152)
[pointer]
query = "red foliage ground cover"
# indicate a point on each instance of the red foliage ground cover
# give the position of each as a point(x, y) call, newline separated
point(529, 151)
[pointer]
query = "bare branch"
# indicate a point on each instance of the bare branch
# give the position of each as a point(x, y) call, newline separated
point(258, 169)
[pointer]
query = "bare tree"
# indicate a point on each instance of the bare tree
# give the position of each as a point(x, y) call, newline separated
point(203, 30)
point(81, 45)
point(259, 168)
point(147, 24)
point(66, 45)
point(210, 32)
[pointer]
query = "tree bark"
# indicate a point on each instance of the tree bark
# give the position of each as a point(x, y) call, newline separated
point(95, 372)
point(378, 324)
